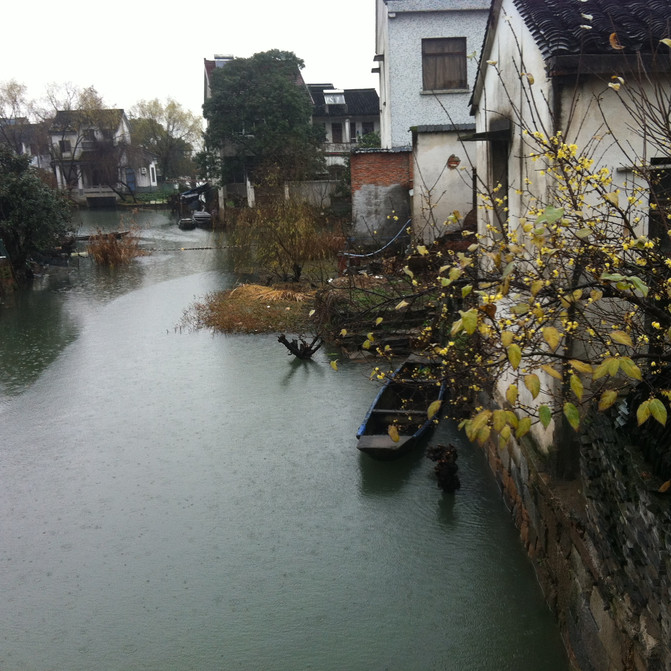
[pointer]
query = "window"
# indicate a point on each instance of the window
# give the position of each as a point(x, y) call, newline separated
point(367, 127)
point(444, 64)
point(333, 97)
point(352, 131)
point(336, 133)
point(65, 146)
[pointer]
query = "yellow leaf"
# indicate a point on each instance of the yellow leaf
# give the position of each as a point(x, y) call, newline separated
point(572, 415)
point(470, 320)
point(379, 320)
point(524, 427)
point(643, 412)
point(551, 337)
point(367, 344)
point(433, 409)
point(311, 313)
point(613, 198)
point(607, 399)
point(483, 435)
point(533, 384)
point(334, 365)
point(666, 41)
point(408, 272)
point(511, 418)
point(665, 487)
point(499, 420)
point(608, 366)
point(506, 432)
point(511, 394)
point(480, 420)
point(622, 338)
point(401, 305)
point(343, 332)
point(552, 372)
point(536, 286)
point(392, 431)
point(630, 369)
point(514, 355)
point(658, 411)
point(614, 42)
point(577, 294)
point(581, 366)
point(576, 386)
point(595, 295)
point(507, 338)
point(423, 251)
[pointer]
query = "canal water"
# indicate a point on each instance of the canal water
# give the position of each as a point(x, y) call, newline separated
point(180, 500)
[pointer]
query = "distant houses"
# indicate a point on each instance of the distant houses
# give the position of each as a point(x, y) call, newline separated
point(346, 115)
point(93, 157)
point(89, 153)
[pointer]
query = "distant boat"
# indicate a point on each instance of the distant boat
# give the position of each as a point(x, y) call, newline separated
point(398, 418)
point(202, 219)
point(187, 224)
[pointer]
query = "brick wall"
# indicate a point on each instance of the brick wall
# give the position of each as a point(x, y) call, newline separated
point(381, 168)
point(381, 183)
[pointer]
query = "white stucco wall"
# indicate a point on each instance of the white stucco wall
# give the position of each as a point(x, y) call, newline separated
point(401, 26)
point(592, 115)
point(439, 190)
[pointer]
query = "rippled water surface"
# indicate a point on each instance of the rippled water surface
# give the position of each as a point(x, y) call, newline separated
point(182, 500)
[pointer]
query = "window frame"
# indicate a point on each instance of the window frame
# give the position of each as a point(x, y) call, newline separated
point(437, 63)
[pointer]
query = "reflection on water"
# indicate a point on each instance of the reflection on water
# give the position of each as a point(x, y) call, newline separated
point(185, 500)
point(37, 323)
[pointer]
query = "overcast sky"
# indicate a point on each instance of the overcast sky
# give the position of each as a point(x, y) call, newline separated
point(141, 50)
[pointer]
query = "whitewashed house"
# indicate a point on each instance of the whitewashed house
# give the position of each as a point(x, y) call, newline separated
point(551, 66)
point(426, 56)
point(90, 152)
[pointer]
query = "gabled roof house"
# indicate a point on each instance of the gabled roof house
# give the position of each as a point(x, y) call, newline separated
point(346, 115)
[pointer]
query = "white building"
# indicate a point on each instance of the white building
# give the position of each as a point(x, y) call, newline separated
point(426, 54)
point(426, 51)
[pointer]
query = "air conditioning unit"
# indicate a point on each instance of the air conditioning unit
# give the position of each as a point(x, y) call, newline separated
point(143, 171)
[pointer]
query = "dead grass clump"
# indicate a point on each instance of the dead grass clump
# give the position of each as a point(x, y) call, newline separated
point(114, 249)
point(270, 294)
point(251, 308)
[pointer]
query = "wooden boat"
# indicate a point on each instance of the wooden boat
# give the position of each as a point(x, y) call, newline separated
point(402, 403)
point(187, 224)
point(202, 219)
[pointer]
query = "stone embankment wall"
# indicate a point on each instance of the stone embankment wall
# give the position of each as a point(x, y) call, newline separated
point(601, 546)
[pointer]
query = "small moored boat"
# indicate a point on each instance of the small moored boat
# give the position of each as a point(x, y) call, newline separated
point(187, 224)
point(202, 218)
point(398, 417)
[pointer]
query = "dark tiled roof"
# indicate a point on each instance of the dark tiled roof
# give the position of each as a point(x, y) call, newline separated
point(104, 119)
point(360, 102)
point(558, 26)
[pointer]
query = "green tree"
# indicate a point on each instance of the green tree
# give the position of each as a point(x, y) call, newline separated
point(259, 119)
point(33, 216)
point(169, 131)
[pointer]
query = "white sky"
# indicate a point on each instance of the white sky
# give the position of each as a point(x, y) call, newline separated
point(144, 50)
